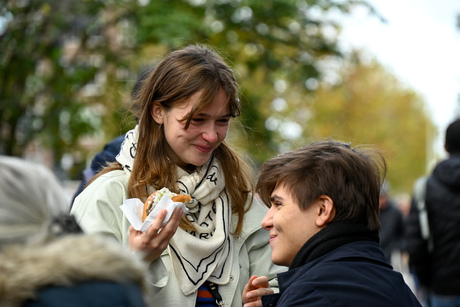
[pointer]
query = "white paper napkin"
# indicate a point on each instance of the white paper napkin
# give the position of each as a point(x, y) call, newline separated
point(132, 208)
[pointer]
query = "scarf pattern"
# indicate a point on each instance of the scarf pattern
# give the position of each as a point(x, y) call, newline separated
point(205, 253)
point(128, 150)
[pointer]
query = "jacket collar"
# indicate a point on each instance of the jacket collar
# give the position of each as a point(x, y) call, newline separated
point(330, 237)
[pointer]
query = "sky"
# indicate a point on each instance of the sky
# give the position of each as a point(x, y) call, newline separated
point(420, 44)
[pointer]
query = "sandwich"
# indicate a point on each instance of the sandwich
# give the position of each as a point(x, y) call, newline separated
point(156, 196)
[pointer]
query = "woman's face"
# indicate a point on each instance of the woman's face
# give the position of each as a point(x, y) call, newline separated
point(207, 129)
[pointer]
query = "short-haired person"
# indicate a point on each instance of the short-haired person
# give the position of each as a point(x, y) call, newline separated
point(324, 225)
point(438, 269)
point(45, 259)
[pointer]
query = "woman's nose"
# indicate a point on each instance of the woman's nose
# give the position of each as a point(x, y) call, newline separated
point(210, 134)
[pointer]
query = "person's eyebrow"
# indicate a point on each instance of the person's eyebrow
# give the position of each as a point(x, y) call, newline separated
point(209, 115)
point(275, 197)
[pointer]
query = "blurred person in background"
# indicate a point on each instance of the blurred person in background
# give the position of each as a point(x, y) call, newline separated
point(392, 225)
point(324, 225)
point(403, 203)
point(435, 257)
point(100, 160)
point(45, 259)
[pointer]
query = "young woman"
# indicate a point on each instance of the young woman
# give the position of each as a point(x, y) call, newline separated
point(184, 107)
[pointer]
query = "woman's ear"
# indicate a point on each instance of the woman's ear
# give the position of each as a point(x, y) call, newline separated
point(326, 211)
point(157, 112)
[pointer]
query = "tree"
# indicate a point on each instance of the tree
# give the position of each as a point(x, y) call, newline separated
point(267, 42)
point(52, 53)
point(367, 105)
point(68, 66)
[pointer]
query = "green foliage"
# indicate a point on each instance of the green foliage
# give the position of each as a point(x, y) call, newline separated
point(263, 40)
point(47, 51)
point(370, 107)
point(68, 68)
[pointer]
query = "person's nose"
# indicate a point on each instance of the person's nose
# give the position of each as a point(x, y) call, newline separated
point(210, 133)
point(267, 221)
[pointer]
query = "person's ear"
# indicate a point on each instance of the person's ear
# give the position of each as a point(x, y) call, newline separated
point(157, 112)
point(326, 211)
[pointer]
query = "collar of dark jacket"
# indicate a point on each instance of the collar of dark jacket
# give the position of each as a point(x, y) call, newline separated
point(330, 237)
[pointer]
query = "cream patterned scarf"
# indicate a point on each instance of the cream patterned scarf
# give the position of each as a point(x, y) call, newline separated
point(206, 253)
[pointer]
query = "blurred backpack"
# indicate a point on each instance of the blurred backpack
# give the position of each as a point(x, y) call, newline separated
point(423, 269)
point(419, 195)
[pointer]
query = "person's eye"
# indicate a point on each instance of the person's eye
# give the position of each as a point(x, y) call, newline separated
point(197, 120)
point(223, 121)
point(276, 204)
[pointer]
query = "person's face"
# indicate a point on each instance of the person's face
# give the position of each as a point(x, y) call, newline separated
point(207, 130)
point(290, 228)
point(383, 200)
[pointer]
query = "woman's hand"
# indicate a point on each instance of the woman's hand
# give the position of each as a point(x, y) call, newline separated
point(152, 243)
point(254, 289)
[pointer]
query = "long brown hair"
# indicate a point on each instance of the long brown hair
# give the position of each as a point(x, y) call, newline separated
point(172, 81)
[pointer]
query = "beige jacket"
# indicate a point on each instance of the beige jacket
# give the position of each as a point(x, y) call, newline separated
point(97, 210)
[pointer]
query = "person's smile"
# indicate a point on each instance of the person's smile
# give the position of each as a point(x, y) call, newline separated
point(204, 148)
point(272, 239)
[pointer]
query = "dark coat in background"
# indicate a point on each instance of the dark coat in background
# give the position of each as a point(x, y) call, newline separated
point(392, 229)
point(440, 270)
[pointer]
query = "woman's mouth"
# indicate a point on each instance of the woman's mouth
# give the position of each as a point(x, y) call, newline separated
point(204, 149)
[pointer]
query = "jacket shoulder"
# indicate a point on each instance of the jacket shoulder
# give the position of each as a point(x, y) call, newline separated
point(253, 218)
point(65, 264)
point(100, 200)
point(110, 185)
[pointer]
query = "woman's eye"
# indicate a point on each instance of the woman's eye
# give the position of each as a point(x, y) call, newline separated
point(223, 121)
point(197, 120)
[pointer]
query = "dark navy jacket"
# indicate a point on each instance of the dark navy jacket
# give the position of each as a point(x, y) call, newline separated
point(89, 294)
point(354, 274)
point(440, 271)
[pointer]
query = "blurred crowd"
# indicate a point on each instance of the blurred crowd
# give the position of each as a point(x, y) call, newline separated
point(420, 234)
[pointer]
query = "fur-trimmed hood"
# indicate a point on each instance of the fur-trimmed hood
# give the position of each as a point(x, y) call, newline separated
point(62, 262)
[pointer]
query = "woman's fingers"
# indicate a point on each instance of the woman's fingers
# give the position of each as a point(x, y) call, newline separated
point(170, 228)
point(156, 225)
point(155, 240)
